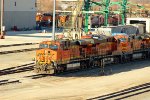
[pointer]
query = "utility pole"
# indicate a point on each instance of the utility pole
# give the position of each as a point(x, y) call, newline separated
point(2, 15)
point(54, 15)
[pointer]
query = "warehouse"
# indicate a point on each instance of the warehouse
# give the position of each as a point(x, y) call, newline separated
point(19, 14)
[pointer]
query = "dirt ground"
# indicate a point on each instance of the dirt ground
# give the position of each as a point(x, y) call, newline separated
point(16, 59)
point(18, 37)
point(79, 85)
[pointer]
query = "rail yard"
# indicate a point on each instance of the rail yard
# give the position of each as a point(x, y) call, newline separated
point(78, 53)
point(18, 79)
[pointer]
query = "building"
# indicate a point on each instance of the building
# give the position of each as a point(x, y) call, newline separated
point(144, 21)
point(19, 13)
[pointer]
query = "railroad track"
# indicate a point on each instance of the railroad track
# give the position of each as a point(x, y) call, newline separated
point(126, 93)
point(16, 81)
point(37, 76)
point(17, 69)
point(17, 44)
point(17, 51)
point(7, 82)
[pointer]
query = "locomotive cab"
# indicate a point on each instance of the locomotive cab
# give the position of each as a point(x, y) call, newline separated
point(54, 56)
point(123, 44)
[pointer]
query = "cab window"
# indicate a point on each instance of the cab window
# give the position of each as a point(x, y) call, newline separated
point(43, 46)
point(122, 39)
point(53, 47)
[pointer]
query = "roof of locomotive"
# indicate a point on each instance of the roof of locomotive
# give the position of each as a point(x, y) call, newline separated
point(96, 36)
point(45, 42)
point(144, 36)
point(120, 36)
point(85, 40)
point(93, 39)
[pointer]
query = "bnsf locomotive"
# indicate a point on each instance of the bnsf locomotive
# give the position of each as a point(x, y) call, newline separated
point(92, 50)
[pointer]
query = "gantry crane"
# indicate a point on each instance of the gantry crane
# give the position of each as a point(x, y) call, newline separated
point(106, 4)
point(105, 10)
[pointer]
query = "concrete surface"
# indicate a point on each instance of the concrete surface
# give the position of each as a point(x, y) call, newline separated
point(24, 37)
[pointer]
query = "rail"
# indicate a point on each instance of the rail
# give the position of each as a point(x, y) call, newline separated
point(126, 93)
point(7, 82)
point(17, 51)
point(17, 69)
point(17, 44)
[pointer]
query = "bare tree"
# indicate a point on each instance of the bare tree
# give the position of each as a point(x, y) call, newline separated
point(47, 5)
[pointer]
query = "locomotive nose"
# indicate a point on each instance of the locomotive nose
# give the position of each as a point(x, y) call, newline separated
point(40, 56)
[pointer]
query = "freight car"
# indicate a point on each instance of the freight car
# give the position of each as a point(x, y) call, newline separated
point(91, 51)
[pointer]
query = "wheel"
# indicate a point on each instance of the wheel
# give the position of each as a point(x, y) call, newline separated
point(102, 63)
point(144, 56)
point(83, 65)
point(49, 70)
point(36, 70)
point(116, 60)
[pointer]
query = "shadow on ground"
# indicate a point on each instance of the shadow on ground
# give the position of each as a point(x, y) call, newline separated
point(109, 69)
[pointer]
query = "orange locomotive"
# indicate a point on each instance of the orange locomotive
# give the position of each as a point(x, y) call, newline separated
point(48, 18)
point(44, 17)
point(90, 51)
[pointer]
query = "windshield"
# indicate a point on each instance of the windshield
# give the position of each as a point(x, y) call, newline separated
point(122, 39)
point(53, 47)
point(43, 46)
